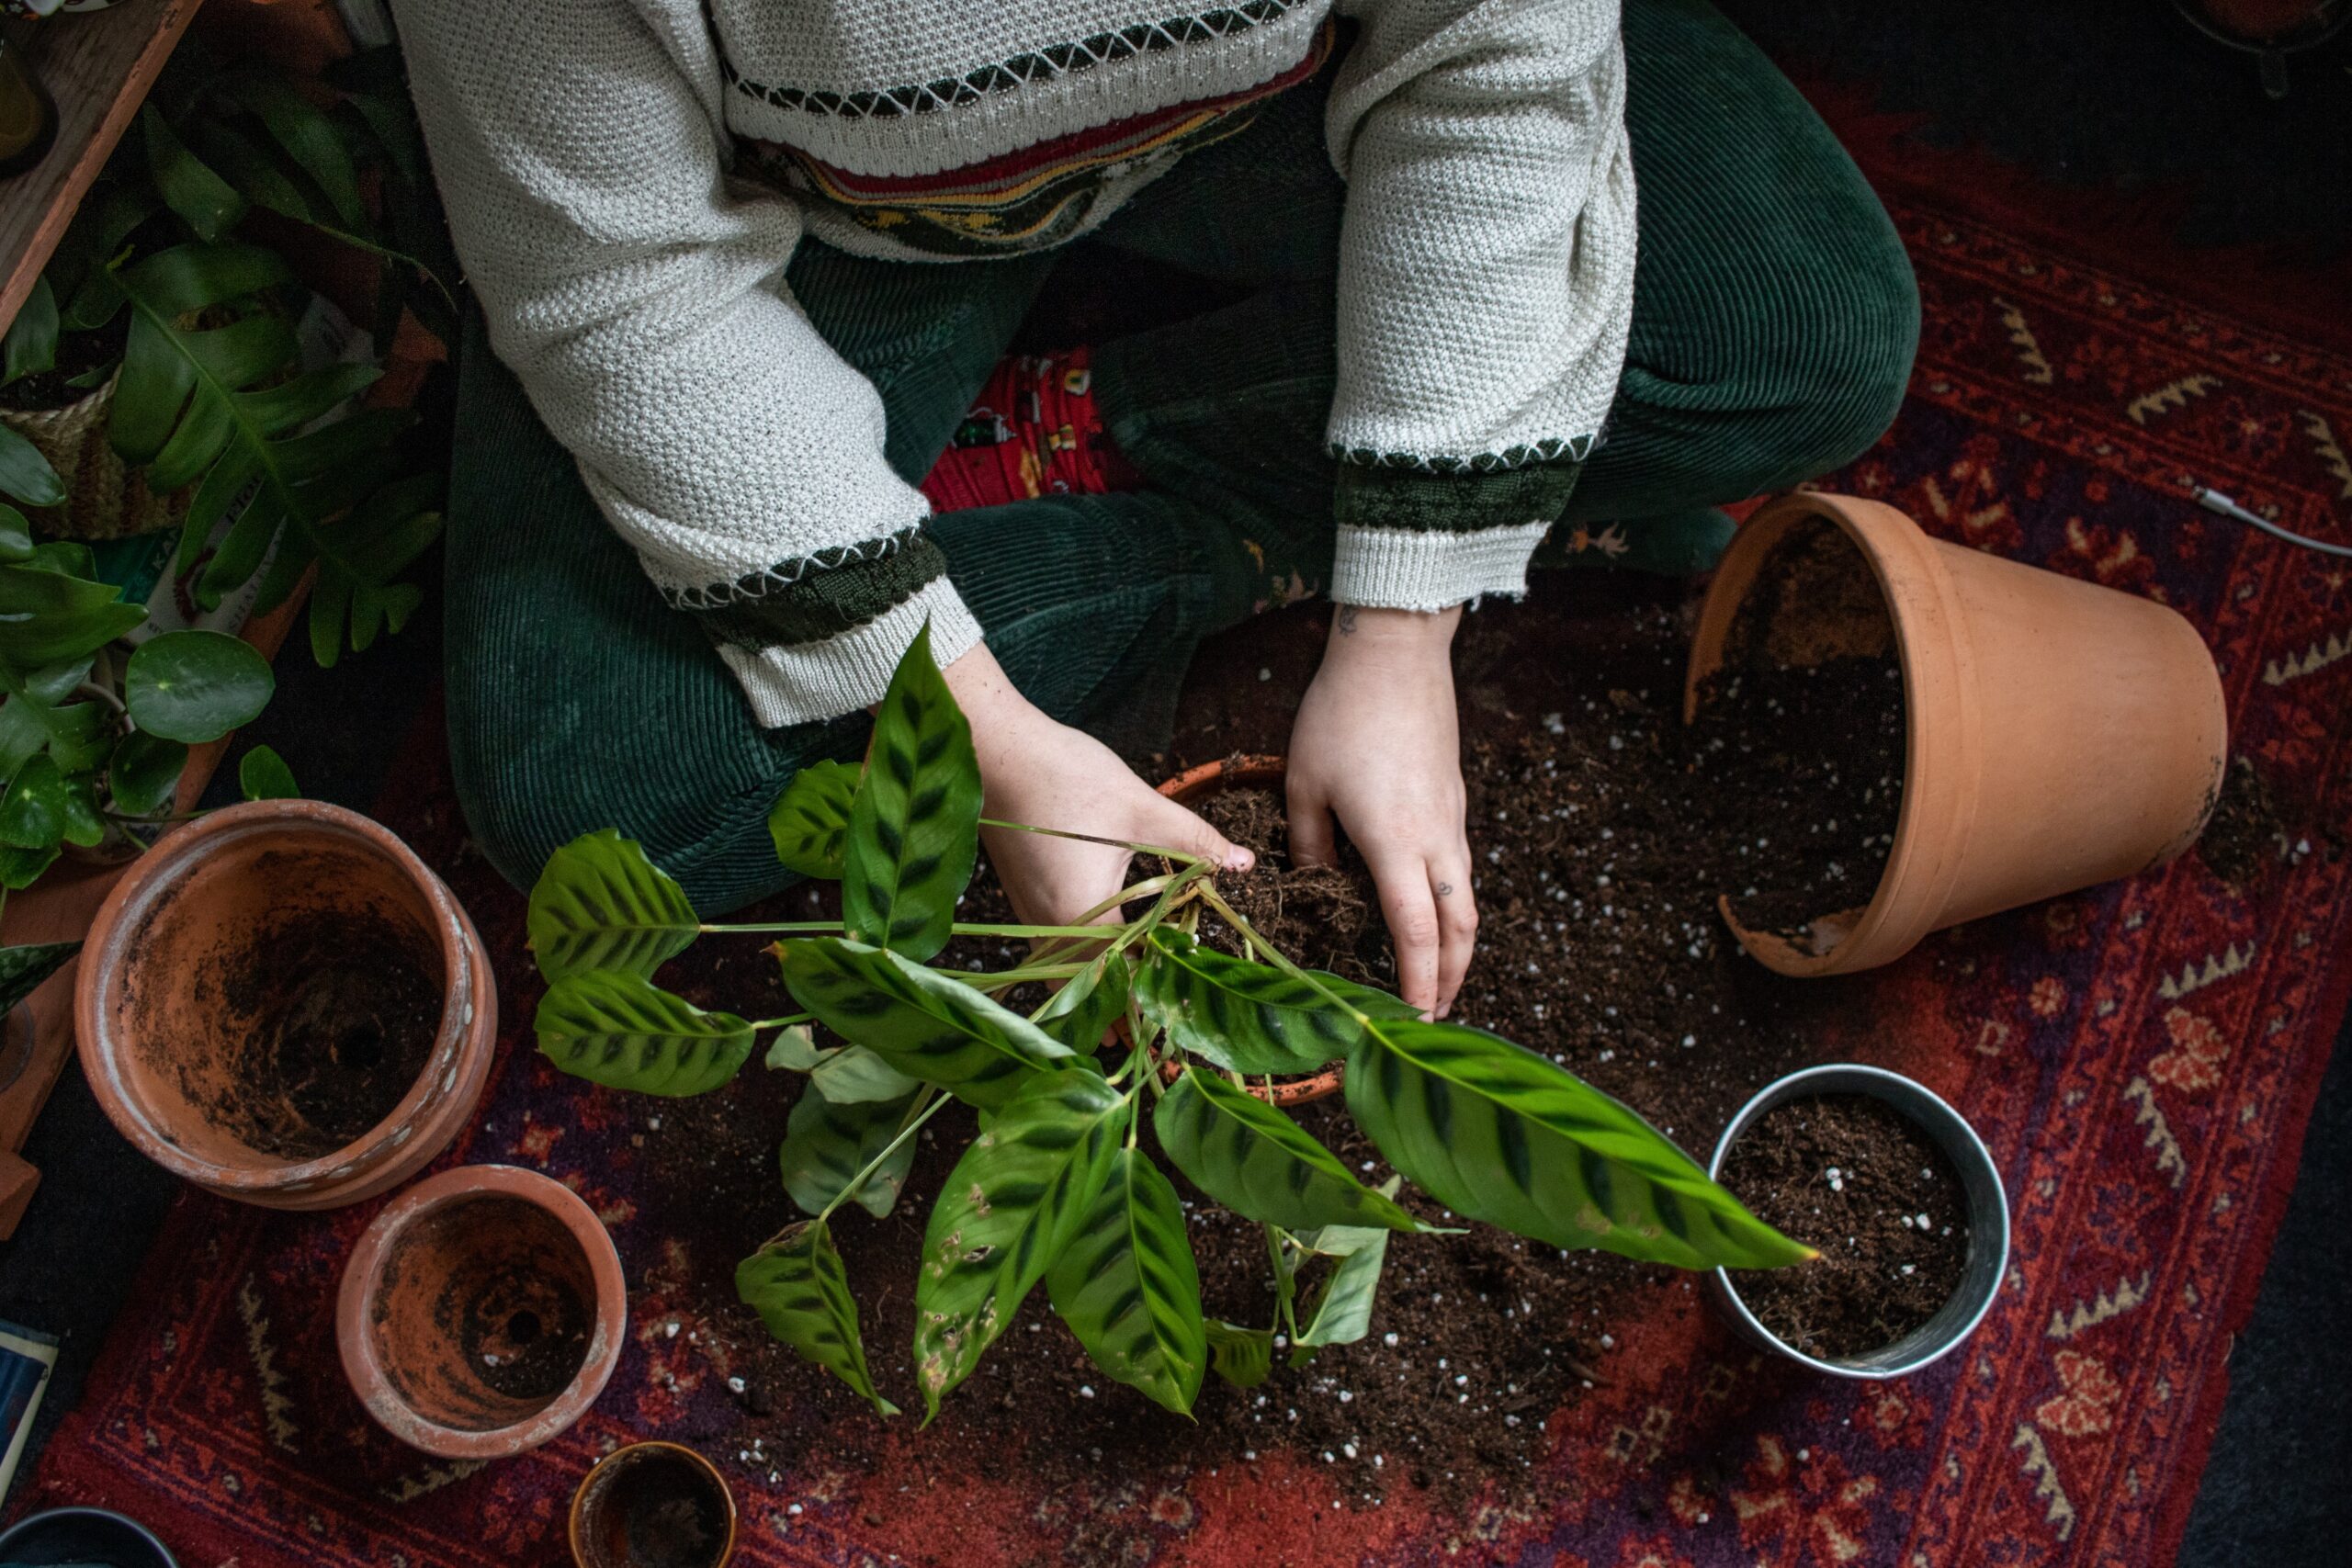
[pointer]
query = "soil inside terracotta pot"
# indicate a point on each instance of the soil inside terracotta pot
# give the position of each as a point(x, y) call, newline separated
point(334, 1018)
point(1854, 1178)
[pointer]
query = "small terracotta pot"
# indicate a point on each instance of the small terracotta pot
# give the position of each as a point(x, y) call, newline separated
point(482, 1313)
point(283, 1005)
point(1190, 787)
point(653, 1505)
point(2060, 733)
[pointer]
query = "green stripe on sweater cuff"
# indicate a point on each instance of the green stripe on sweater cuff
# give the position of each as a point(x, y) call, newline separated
point(825, 604)
point(1466, 503)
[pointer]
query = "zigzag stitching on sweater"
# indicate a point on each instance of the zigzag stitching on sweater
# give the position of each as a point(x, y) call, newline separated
point(1551, 449)
point(785, 574)
point(1037, 66)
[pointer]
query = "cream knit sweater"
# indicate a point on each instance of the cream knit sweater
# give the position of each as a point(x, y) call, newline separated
point(600, 161)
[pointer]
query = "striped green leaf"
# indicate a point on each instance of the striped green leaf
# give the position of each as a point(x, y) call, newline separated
point(1344, 1311)
point(1246, 1017)
point(797, 1285)
point(623, 1032)
point(928, 1026)
point(1129, 1290)
point(22, 969)
point(600, 904)
point(809, 820)
point(1258, 1163)
point(1082, 1012)
point(1007, 1208)
point(826, 1145)
point(1242, 1357)
point(1498, 1134)
point(914, 826)
point(856, 1075)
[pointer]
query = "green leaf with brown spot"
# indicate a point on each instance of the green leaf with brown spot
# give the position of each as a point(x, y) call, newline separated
point(797, 1285)
point(1497, 1132)
point(914, 826)
point(1007, 1208)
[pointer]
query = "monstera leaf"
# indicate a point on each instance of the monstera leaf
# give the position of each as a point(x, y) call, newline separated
point(914, 825)
point(1498, 1134)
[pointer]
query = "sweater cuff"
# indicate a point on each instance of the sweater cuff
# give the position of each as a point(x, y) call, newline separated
point(1413, 539)
point(803, 682)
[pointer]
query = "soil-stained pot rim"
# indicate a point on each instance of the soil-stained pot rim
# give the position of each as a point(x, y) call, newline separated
point(1939, 756)
point(1245, 772)
point(1988, 1220)
point(435, 1106)
point(364, 1271)
point(580, 1494)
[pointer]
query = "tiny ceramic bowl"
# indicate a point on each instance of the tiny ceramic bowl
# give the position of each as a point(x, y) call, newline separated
point(640, 1485)
point(82, 1535)
point(482, 1313)
point(1988, 1221)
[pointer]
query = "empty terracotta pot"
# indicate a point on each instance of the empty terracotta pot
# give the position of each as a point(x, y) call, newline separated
point(2060, 733)
point(482, 1313)
point(282, 1004)
point(653, 1505)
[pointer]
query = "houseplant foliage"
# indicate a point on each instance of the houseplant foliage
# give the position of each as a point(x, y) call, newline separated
point(1149, 1027)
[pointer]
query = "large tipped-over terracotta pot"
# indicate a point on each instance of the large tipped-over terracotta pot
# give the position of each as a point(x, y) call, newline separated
point(482, 1313)
point(282, 1004)
point(2060, 733)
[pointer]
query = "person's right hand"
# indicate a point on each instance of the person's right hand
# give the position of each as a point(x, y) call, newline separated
point(1046, 774)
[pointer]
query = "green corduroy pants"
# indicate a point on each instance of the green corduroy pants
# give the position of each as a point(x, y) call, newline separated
point(1775, 321)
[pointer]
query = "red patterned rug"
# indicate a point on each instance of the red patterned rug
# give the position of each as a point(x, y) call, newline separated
point(2141, 1058)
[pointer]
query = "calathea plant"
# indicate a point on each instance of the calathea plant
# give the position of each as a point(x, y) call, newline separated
point(1149, 1025)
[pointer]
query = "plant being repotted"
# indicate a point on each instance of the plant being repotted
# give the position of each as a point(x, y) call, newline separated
point(1057, 1189)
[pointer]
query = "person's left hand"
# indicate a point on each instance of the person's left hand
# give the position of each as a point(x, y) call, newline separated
point(1376, 743)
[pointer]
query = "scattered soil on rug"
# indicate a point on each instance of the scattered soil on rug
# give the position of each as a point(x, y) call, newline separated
point(338, 1017)
point(1854, 1179)
point(2247, 836)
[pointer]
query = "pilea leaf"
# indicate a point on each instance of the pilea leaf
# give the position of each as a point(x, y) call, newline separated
point(1242, 1357)
point(620, 1030)
point(926, 1025)
point(914, 826)
point(1127, 1286)
point(1082, 1012)
point(1007, 1208)
point(826, 1145)
point(600, 904)
point(797, 1285)
point(1246, 1017)
point(1498, 1134)
point(810, 819)
point(1261, 1164)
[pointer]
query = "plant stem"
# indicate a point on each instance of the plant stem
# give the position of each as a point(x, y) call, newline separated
point(1162, 850)
point(960, 929)
point(785, 1022)
point(918, 1114)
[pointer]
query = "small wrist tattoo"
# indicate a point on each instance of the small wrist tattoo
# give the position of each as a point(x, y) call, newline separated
point(1347, 620)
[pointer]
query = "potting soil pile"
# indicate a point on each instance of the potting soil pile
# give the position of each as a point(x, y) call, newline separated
point(2140, 1058)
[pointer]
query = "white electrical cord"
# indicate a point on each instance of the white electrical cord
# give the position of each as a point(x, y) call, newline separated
point(2214, 500)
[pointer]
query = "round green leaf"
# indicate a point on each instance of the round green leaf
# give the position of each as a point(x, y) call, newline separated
point(196, 686)
point(264, 776)
point(145, 769)
point(33, 810)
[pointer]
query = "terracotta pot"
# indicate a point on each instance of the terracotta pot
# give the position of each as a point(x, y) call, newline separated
point(1188, 788)
point(2060, 733)
point(482, 1313)
point(653, 1505)
point(282, 1004)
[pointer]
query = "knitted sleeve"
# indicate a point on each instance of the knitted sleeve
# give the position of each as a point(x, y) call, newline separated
point(639, 298)
point(1486, 285)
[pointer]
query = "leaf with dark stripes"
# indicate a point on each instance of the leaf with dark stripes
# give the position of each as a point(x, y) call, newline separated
point(826, 1145)
point(1128, 1288)
point(1498, 1134)
point(930, 1027)
point(856, 1075)
point(1007, 1210)
point(618, 1029)
point(809, 820)
point(1246, 1017)
point(600, 904)
point(1082, 1012)
point(1258, 1163)
point(914, 826)
point(1242, 1357)
point(797, 1285)
point(22, 969)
